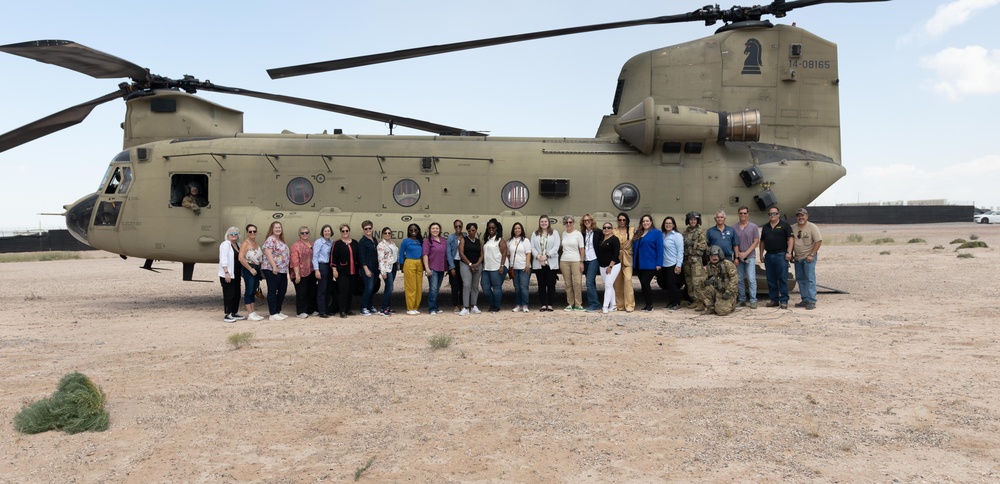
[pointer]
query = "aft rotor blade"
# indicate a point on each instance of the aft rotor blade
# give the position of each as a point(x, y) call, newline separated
point(78, 57)
point(337, 108)
point(365, 60)
point(55, 122)
point(780, 7)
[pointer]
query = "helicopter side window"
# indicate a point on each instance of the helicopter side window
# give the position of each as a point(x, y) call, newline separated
point(181, 184)
point(107, 214)
point(114, 181)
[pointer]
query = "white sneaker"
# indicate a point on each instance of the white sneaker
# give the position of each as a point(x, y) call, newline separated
point(365, 312)
point(255, 317)
point(302, 316)
point(238, 317)
point(605, 310)
point(283, 316)
point(274, 317)
point(412, 312)
point(314, 313)
point(463, 312)
point(475, 310)
point(229, 319)
point(516, 309)
point(524, 309)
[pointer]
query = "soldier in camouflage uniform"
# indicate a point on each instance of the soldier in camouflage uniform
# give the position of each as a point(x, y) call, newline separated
point(720, 287)
point(695, 244)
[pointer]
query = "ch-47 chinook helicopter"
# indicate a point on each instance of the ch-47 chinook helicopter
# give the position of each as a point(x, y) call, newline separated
point(746, 116)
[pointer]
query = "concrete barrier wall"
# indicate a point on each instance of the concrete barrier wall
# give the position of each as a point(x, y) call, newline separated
point(887, 214)
point(53, 240)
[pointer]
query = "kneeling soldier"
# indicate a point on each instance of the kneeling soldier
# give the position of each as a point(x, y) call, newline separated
point(719, 293)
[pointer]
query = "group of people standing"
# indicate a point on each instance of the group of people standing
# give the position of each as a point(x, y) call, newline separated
point(330, 271)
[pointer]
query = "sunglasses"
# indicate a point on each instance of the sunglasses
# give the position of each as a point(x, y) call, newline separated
point(251, 231)
point(387, 232)
point(366, 228)
point(234, 234)
point(304, 233)
point(772, 213)
point(621, 220)
point(607, 227)
point(345, 231)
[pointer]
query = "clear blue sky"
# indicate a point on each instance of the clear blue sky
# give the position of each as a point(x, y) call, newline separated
point(920, 80)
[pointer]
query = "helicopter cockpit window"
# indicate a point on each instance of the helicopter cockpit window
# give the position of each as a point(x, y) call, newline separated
point(107, 214)
point(181, 184)
point(514, 195)
point(625, 196)
point(299, 191)
point(406, 192)
point(117, 180)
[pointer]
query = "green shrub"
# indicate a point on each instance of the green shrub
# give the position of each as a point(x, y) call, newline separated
point(916, 240)
point(239, 340)
point(440, 342)
point(957, 241)
point(855, 238)
point(884, 252)
point(47, 256)
point(76, 406)
point(965, 255)
point(886, 240)
point(974, 244)
point(938, 247)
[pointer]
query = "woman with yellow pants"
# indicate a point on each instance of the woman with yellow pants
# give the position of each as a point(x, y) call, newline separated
point(411, 254)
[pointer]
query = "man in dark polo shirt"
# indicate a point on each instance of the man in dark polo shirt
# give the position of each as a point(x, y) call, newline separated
point(776, 239)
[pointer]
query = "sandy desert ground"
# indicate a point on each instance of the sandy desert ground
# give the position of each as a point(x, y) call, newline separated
point(894, 382)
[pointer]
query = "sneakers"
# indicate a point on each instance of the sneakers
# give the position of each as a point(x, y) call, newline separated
point(314, 313)
point(784, 305)
point(237, 317)
point(810, 306)
point(753, 305)
point(568, 308)
point(605, 310)
point(673, 308)
point(463, 312)
point(801, 304)
point(742, 304)
point(771, 304)
point(228, 319)
point(592, 310)
point(255, 317)
point(412, 312)
point(578, 308)
point(516, 309)
point(302, 315)
point(385, 312)
point(283, 316)
point(274, 317)
point(475, 310)
point(524, 309)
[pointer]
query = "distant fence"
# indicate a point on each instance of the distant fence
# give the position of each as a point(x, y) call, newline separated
point(889, 214)
point(50, 241)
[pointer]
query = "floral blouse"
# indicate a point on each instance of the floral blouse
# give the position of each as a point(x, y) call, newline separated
point(280, 253)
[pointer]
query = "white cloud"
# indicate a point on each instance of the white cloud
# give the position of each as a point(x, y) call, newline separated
point(967, 71)
point(951, 15)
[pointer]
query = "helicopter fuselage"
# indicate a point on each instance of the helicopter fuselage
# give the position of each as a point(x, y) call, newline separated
point(743, 117)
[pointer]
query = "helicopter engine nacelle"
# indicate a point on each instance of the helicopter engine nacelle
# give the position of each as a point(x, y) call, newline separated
point(648, 125)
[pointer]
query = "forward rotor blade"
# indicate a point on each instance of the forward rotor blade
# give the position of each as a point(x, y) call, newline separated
point(52, 123)
point(787, 6)
point(337, 108)
point(365, 60)
point(80, 58)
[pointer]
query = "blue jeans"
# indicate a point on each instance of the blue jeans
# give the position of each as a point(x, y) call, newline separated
point(747, 270)
point(591, 268)
point(368, 292)
point(493, 287)
point(390, 277)
point(251, 283)
point(434, 280)
point(521, 278)
point(776, 268)
point(805, 275)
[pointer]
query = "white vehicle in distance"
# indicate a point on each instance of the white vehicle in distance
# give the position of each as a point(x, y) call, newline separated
point(987, 217)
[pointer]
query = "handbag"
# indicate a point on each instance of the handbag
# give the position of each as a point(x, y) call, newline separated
point(510, 273)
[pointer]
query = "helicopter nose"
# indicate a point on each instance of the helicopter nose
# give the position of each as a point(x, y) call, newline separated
point(78, 217)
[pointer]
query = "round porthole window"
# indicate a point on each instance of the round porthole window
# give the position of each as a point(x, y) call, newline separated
point(514, 194)
point(625, 196)
point(299, 191)
point(406, 193)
